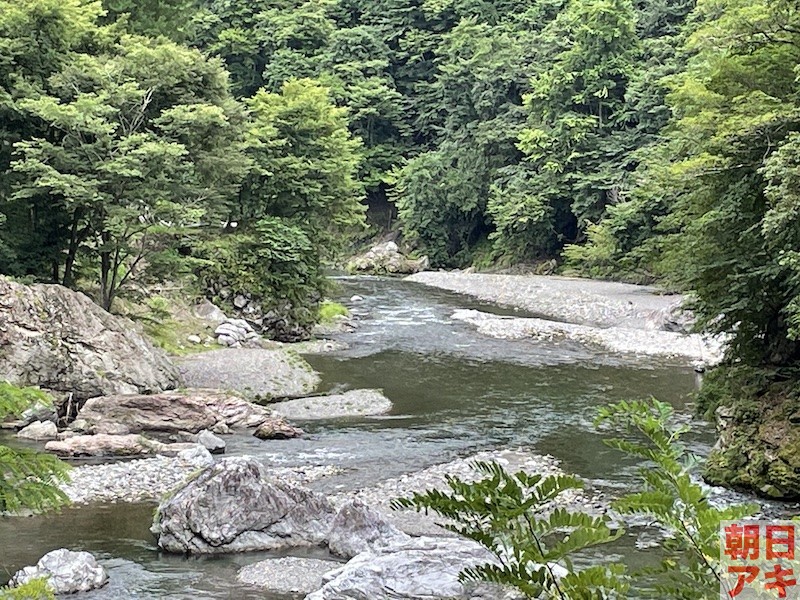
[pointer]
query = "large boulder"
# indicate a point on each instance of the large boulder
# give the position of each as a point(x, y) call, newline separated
point(60, 340)
point(355, 403)
point(419, 568)
point(234, 506)
point(66, 572)
point(170, 412)
point(386, 259)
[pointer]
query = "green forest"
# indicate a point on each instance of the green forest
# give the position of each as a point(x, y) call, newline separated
point(249, 147)
point(244, 145)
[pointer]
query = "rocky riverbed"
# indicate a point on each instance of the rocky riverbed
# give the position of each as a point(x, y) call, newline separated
point(618, 317)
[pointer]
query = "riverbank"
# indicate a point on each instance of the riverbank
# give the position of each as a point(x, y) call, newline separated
point(619, 317)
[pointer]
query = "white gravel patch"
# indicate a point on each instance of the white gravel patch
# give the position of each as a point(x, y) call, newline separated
point(289, 575)
point(697, 348)
point(150, 479)
point(572, 300)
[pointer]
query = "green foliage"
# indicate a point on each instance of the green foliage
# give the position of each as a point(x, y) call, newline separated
point(671, 498)
point(328, 311)
point(514, 516)
point(37, 589)
point(28, 479)
point(272, 259)
point(305, 164)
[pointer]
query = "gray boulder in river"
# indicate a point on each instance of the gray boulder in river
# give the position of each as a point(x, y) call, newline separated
point(237, 506)
point(60, 340)
point(169, 412)
point(234, 506)
point(67, 572)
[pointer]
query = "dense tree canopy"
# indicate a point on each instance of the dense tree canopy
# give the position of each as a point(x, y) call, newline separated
point(642, 139)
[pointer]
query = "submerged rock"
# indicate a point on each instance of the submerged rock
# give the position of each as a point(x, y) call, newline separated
point(170, 412)
point(235, 506)
point(276, 428)
point(39, 430)
point(66, 572)
point(287, 576)
point(424, 567)
point(60, 340)
point(355, 403)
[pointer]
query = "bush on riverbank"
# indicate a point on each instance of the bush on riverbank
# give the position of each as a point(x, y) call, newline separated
point(512, 515)
point(28, 480)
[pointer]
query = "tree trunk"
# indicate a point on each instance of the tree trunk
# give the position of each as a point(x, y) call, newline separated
point(69, 280)
point(105, 270)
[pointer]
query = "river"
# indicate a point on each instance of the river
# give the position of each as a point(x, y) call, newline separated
point(454, 391)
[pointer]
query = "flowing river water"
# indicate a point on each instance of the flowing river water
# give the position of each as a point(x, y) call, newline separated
point(455, 392)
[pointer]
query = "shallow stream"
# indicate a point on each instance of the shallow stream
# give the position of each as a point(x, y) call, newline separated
point(454, 391)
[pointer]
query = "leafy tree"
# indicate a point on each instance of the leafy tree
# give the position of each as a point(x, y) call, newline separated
point(170, 18)
point(576, 144)
point(305, 163)
point(139, 142)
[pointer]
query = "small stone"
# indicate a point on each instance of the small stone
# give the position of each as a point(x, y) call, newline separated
point(227, 340)
point(210, 442)
point(221, 428)
point(39, 430)
point(196, 456)
point(277, 429)
point(240, 301)
point(194, 339)
point(356, 298)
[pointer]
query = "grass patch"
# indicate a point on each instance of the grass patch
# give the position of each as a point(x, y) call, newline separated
point(328, 311)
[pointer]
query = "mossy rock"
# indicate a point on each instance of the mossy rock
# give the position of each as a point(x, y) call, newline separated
point(759, 448)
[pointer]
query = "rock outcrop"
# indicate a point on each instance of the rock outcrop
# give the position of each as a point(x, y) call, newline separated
point(386, 259)
point(759, 444)
point(234, 506)
point(169, 412)
point(60, 340)
point(237, 505)
point(357, 528)
point(66, 572)
point(355, 403)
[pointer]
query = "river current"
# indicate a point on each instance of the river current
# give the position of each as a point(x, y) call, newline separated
point(455, 392)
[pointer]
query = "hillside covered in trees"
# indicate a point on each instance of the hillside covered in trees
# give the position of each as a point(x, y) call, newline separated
point(239, 145)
